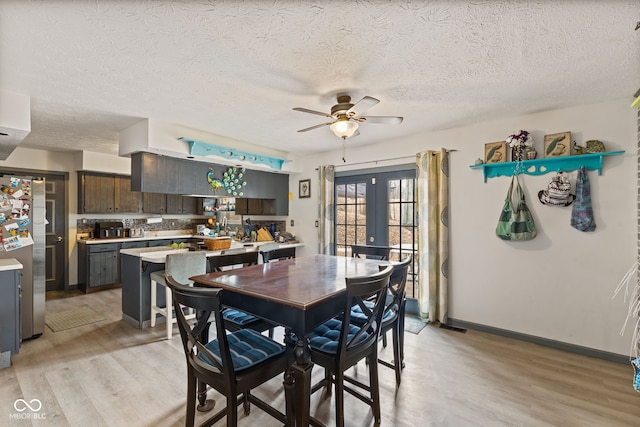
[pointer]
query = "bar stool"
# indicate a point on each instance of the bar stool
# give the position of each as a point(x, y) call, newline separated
point(181, 266)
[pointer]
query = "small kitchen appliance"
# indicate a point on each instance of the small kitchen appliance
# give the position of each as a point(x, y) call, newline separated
point(108, 230)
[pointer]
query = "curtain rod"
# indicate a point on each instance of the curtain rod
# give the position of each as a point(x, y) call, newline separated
point(382, 160)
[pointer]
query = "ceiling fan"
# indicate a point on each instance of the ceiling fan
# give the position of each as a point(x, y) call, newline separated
point(347, 116)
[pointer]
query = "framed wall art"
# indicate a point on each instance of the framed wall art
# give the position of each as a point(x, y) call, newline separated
point(557, 144)
point(304, 188)
point(495, 152)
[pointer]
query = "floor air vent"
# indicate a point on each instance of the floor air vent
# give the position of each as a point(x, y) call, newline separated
point(452, 328)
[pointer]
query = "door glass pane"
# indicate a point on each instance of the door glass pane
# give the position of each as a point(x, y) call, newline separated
point(379, 206)
point(340, 194)
point(361, 193)
point(351, 216)
point(401, 223)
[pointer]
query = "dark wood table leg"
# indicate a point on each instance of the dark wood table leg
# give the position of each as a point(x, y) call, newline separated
point(302, 377)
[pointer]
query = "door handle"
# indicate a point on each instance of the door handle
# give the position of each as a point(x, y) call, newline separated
point(372, 239)
point(59, 239)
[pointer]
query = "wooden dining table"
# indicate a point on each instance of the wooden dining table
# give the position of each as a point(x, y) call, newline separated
point(299, 294)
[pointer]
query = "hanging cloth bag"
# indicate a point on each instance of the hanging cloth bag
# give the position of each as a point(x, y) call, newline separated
point(516, 224)
point(636, 373)
point(582, 213)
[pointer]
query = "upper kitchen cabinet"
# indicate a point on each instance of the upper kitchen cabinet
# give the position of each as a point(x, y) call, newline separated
point(126, 200)
point(154, 203)
point(177, 204)
point(255, 206)
point(106, 193)
point(155, 173)
point(96, 193)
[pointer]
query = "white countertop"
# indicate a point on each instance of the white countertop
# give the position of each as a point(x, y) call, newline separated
point(10, 264)
point(158, 254)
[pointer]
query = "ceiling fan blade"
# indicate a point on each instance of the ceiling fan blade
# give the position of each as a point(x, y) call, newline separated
point(387, 120)
point(361, 106)
point(306, 110)
point(315, 127)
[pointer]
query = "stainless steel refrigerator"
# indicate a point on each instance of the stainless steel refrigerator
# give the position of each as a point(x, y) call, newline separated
point(22, 218)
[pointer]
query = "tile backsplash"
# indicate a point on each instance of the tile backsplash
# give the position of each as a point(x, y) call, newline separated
point(188, 225)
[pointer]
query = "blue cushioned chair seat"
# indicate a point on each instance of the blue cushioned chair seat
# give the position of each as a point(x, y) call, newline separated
point(359, 317)
point(238, 317)
point(247, 348)
point(325, 337)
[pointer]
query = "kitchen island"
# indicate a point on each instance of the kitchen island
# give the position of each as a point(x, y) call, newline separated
point(139, 263)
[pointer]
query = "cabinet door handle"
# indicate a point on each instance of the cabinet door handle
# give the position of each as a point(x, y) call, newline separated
point(59, 238)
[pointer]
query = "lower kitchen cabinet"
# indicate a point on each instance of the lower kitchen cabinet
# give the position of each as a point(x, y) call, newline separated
point(98, 266)
point(10, 322)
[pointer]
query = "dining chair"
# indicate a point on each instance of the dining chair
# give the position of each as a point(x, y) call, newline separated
point(237, 319)
point(181, 266)
point(371, 252)
point(393, 315)
point(233, 364)
point(338, 344)
point(278, 254)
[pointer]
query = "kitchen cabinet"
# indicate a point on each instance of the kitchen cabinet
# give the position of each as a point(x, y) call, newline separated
point(10, 323)
point(96, 193)
point(98, 266)
point(251, 206)
point(177, 204)
point(107, 193)
point(152, 173)
point(126, 200)
point(154, 203)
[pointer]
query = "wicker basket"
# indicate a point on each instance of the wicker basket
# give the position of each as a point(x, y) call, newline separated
point(218, 244)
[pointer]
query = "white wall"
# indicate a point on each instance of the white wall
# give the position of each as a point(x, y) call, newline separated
point(558, 286)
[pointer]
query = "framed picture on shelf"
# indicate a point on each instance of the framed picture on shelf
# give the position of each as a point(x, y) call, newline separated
point(304, 188)
point(495, 152)
point(557, 144)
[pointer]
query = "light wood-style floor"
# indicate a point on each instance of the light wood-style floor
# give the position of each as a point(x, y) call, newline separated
point(110, 374)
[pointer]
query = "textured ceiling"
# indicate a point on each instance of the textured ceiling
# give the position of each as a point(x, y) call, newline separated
point(237, 68)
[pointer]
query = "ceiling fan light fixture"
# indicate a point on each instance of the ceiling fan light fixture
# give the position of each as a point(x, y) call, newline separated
point(344, 128)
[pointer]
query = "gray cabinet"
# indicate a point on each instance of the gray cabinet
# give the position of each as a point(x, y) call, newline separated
point(96, 193)
point(10, 311)
point(103, 265)
point(126, 200)
point(154, 203)
point(255, 206)
point(154, 173)
point(177, 204)
point(106, 193)
point(98, 266)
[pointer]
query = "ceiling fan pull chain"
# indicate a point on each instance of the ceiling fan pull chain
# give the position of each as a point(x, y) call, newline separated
point(344, 149)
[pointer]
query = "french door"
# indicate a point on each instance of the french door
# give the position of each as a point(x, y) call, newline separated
point(377, 209)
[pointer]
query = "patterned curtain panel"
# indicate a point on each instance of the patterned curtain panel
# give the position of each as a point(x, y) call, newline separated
point(433, 233)
point(326, 206)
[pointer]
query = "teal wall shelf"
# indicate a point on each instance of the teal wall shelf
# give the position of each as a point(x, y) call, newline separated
point(542, 166)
